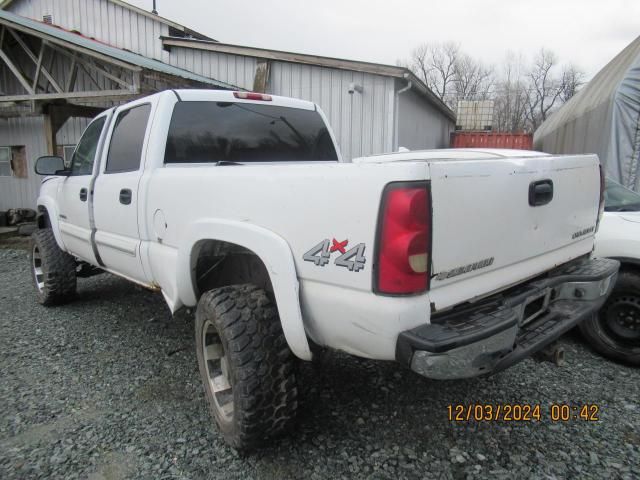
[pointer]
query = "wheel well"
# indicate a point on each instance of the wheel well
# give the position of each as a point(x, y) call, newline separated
point(42, 218)
point(630, 267)
point(215, 264)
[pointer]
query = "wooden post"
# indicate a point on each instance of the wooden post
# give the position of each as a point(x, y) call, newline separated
point(50, 134)
point(261, 79)
point(56, 115)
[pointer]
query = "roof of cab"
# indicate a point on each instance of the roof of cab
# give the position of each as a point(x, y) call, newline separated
point(206, 95)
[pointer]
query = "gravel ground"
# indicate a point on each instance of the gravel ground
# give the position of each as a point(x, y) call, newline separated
point(107, 387)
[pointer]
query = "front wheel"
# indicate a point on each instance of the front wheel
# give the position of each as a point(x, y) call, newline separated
point(246, 365)
point(615, 330)
point(53, 270)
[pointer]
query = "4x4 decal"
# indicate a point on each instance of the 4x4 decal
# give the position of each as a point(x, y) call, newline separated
point(320, 254)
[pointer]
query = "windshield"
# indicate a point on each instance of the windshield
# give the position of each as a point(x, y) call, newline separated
point(620, 199)
point(212, 132)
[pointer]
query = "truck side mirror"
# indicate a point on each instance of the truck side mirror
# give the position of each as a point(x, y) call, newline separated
point(50, 165)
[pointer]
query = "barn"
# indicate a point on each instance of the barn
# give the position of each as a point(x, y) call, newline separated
point(63, 61)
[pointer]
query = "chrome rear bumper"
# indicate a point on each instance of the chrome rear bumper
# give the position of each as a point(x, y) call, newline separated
point(497, 332)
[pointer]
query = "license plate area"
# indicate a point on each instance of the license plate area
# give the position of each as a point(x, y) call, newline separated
point(535, 306)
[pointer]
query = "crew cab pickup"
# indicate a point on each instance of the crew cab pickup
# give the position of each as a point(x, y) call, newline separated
point(455, 263)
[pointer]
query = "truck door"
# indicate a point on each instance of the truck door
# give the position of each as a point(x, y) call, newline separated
point(74, 194)
point(116, 204)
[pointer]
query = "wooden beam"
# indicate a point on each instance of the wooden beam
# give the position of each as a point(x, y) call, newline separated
point(96, 94)
point(62, 44)
point(89, 76)
point(38, 66)
point(62, 48)
point(71, 110)
point(73, 72)
point(33, 58)
point(353, 65)
point(92, 65)
point(16, 71)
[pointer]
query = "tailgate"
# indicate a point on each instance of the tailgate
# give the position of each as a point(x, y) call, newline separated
point(486, 234)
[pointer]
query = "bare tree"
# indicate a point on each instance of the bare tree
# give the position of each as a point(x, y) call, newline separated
point(473, 80)
point(544, 89)
point(510, 96)
point(572, 80)
point(524, 96)
point(435, 65)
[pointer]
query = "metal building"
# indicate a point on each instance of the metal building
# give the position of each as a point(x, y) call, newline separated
point(372, 108)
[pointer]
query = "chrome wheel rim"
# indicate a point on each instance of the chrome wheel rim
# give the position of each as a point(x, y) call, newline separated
point(38, 273)
point(217, 370)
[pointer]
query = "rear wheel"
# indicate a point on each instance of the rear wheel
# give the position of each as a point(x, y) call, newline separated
point(615, 330)
point(246, 365)
point(53, 270)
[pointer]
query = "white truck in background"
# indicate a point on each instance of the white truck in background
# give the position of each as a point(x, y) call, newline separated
point(455, 263)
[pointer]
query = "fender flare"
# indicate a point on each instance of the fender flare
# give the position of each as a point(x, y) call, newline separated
point(272, 250)
point(50, 205)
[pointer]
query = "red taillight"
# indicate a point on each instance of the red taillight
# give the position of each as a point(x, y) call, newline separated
point(601, 205)
point(253, 96)
point(404, 242)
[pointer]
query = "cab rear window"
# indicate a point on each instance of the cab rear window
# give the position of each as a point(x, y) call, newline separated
point(211, 132)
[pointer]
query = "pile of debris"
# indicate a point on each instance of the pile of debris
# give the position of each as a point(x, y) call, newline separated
point(22, 218)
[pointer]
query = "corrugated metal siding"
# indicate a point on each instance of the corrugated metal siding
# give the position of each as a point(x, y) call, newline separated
point(102, 20)
point(71, 131)
point(27, 132)
point(234, 69)
point(420, 125)
point(360, 120)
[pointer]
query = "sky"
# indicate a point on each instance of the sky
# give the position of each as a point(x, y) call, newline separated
point(587, 33)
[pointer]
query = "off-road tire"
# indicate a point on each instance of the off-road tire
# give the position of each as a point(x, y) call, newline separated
point(625, 299)
point(55, 282)
point(260, 366)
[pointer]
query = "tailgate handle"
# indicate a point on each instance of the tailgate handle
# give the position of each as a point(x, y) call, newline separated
point(540, 192)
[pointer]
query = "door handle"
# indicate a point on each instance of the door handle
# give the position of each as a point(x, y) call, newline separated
point(540, 192)
point(125, 196)
point(83, 194)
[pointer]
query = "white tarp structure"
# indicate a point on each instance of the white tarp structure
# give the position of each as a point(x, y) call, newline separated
point(603, 118)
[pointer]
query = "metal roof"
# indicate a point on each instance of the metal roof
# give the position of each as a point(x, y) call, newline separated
point(331, 62)
point(5, 3)
point(79, 42)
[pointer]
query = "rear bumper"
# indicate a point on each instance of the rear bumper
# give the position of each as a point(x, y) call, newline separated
point(500, 331)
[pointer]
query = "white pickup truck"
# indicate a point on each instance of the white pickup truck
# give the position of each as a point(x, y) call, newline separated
point(455, 263)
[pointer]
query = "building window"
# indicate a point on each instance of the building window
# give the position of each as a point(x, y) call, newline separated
point(5, 162)
point(67, 153)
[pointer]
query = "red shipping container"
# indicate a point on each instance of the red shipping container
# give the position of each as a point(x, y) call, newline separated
point(518, 141)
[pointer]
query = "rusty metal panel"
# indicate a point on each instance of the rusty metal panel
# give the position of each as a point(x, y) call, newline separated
point(518, 141)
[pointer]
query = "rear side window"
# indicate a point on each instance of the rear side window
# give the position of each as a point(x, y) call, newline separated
point(125, 148)
point(210, 132)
